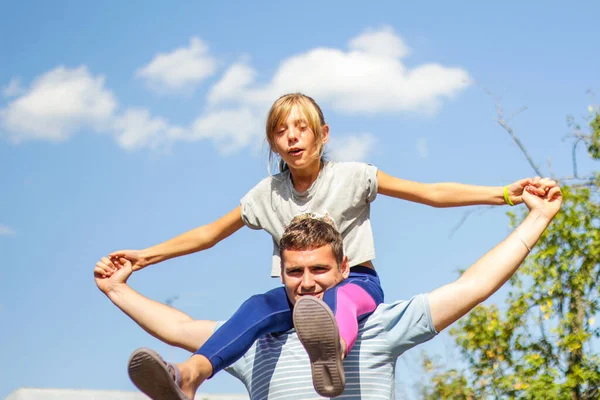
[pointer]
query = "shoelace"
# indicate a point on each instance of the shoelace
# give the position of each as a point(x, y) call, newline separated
point(173, 371)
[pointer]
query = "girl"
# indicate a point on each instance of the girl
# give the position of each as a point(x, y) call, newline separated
point(341, 192)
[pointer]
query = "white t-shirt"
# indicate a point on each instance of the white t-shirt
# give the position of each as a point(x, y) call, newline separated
point(343, 191)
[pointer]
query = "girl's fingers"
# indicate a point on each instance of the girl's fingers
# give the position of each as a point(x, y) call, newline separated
point(548, 183)
point(554, 193)
point(108, 262)
point(533, 182)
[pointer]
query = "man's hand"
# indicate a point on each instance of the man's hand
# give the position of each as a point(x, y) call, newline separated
point(547, 204)
point(109, 274)
point(136, 257)
point(537, 185)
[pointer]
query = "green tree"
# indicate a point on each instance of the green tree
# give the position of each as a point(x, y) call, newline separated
point(541, 345)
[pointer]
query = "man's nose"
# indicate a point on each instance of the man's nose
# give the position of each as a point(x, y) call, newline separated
point(308, 281)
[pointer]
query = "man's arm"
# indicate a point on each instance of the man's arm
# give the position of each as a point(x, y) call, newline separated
point(161, 321)
point(450, 302)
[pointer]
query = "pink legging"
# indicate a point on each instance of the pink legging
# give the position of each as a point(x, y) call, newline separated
point(353, 300)
point(271, 312)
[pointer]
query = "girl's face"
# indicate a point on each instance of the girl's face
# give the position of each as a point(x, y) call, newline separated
point(295, 141)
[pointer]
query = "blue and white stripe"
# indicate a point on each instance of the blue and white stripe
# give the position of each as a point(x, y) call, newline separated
point(277, 366)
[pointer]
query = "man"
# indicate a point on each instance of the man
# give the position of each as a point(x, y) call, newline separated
point(277, 366)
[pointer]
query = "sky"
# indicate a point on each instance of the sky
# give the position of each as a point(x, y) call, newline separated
point(125, 124)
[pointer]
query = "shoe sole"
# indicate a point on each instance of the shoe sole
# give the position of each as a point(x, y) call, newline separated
point(149, 373)
point(318, 331)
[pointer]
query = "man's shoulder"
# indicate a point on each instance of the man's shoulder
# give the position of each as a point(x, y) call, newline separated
point(403, 324)
point(397, 305)
point(389, 314)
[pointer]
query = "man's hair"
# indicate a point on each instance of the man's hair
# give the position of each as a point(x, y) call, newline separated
point(310, 234)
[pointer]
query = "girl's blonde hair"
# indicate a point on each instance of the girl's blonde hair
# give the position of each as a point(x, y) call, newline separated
point(279, 112)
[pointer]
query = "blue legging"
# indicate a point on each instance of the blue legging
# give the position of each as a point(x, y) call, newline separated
point(271, 312)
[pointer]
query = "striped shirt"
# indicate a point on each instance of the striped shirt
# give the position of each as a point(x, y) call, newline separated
point(277, 367)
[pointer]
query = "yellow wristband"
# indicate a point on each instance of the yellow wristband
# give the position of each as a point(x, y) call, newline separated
point(506, 198)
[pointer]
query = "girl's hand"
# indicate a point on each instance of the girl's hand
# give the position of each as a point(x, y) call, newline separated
point(537, 185)
point(136, 257)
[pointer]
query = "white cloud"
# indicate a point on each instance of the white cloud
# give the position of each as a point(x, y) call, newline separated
point(234, 80)
point(230, 130)
point(422, 147)
point(368, 78)
point(62, 101)
point(138, 129)
point(383, 42)
point(6, 231)
point(182, 69)
point(57, 104)
point(13, 88)
point(351, 147)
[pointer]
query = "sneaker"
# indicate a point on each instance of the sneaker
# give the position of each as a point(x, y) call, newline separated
point(318, 331)
point(157, 378)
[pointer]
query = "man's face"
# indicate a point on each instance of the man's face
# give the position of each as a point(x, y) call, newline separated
point(311, 272)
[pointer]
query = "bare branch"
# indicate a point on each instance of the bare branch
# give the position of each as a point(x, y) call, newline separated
point(550, 166)
point(504, 123)
point(466, 215)
point(518, 142)
point(519, 111)
point(574, 157)
point(587, 181)
point(579, 182)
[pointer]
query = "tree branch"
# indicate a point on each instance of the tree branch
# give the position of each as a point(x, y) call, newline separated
point(466, 215)
point(518, 142)
point(504, 123)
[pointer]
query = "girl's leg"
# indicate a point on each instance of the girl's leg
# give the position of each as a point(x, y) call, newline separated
point(353, 300)
point(260, 314)
point(328, 329)
point(350, 301)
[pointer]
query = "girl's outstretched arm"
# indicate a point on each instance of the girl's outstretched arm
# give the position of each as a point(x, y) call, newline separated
point(197, 239)
point(450, 194)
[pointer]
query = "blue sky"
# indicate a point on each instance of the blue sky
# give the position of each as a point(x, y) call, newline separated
point(122, 125)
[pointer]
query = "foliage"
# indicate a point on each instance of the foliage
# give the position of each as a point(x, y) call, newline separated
point(540, 346)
